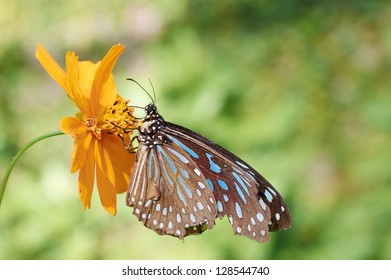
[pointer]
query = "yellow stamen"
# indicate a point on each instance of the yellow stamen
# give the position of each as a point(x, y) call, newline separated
point(92, 126)
point(119, 119)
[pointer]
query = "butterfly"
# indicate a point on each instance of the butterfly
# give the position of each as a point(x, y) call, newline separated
point(181, 182)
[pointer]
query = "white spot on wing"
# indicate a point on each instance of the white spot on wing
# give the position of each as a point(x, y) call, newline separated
point(260, 217)
point(272, 191)
point(242, 165)
point(200, 206)
point(219, 206)
point(202, 186)
point(148, 203)
point(252, 221)
point(263, 204)
point(197, 171)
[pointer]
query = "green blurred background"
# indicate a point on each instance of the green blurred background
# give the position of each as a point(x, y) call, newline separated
point(298, 89)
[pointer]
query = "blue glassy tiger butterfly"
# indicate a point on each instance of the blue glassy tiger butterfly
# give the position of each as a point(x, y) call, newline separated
point(181, 182)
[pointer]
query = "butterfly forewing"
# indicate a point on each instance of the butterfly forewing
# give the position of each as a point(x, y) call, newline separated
point(251, 203)
point(169, 193)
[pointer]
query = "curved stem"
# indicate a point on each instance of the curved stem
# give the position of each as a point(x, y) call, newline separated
point(18, 155)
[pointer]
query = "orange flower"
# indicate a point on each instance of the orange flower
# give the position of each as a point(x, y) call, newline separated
point(101, 127)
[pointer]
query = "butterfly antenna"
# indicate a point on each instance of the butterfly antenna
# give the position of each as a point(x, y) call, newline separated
point(137, 107)
point(134, 81)
point(153, 89)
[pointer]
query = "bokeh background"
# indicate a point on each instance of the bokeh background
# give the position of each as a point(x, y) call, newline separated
point(299, 89)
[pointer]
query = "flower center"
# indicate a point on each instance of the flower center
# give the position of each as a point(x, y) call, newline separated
point(119, 120)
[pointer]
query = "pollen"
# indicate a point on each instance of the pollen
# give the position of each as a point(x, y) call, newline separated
point(119, 119)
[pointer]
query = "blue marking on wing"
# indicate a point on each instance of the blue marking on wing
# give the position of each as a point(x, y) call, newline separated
point(219, 206)
point(241, 194)
point(268, 196)
point(167, 176)
point(213, 166)
point(164, 168)
point(172, 165)
point(184, 173)
point(183, 146)
point(210, 184)
point(181, 196)
point(238, 210)
point(251, 174)
point(156, 168)
point(189, 194)
point(225, 197)
point(150, 165)
point(240, 181)
point(222, 184)
point(246, 181)
point(178, 155)
point(237, 170)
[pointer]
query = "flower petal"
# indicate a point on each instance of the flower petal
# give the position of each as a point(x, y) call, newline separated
point(72, 126)
point(82, 141)
point(52, 67)
point(119, 158)
point(87, 71)
point(81, 148)
point(86, 178)
point(81, 99)
point(99, 99)
point(105, 180)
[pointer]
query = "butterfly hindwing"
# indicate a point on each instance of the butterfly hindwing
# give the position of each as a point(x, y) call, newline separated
point(169, 193)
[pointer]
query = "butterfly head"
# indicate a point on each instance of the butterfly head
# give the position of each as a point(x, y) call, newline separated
point(151, 113)
point(150, 109)
point(152, 123)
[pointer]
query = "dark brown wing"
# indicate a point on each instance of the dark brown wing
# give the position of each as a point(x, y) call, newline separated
point(252, 204)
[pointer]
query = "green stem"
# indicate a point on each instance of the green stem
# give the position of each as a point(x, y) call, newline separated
point(18, 155)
